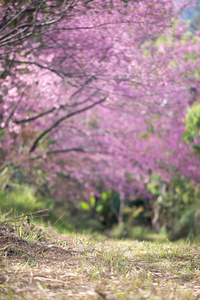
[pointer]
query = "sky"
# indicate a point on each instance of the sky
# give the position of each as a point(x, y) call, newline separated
point(189, 13)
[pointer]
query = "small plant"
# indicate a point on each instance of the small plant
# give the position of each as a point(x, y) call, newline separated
point(21, 198)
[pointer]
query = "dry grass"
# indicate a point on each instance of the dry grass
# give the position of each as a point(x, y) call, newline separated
point(44, 265)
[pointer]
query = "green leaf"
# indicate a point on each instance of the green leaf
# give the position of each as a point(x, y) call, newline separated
point(84, 205)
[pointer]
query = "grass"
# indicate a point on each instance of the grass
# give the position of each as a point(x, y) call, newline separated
point(38, 263)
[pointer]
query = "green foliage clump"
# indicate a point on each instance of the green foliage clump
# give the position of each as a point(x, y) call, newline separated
point(192, 127)
point(17, 195)
point(179, 206)
point(105, 208)
point(22, 199)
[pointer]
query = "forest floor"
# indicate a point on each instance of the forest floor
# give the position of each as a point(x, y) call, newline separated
point(41, 264)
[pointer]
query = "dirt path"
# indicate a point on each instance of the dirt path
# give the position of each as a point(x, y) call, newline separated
point(45, 265)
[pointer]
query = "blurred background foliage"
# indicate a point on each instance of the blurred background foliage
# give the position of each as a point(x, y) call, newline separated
point(169, 209)
point(172, 211)
point(192, 127)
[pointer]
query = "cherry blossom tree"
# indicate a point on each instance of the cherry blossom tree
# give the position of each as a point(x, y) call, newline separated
point(97, 91)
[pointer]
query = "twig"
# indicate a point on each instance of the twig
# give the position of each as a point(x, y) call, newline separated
point(25, 215)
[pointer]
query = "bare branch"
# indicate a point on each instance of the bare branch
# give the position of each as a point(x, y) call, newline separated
point(27, 21)
point(55, 124)
point(12, 112)
point(51, 110)
point(61, 151)
point(58, 72)
point(55, 152)
point(26, 120)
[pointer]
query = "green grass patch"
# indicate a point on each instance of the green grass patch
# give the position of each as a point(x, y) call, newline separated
point(48, 265)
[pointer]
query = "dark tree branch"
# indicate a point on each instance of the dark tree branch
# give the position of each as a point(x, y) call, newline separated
point(12, 112)
point(55, 124)
point(27, 21)
point(59, 73)
point(62, 106)
point(55, 152)
point(35, 117)
point(60, 151)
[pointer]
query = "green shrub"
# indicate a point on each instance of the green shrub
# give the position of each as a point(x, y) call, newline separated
point(179, 206)
point(192, 127)
point(21, 198)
